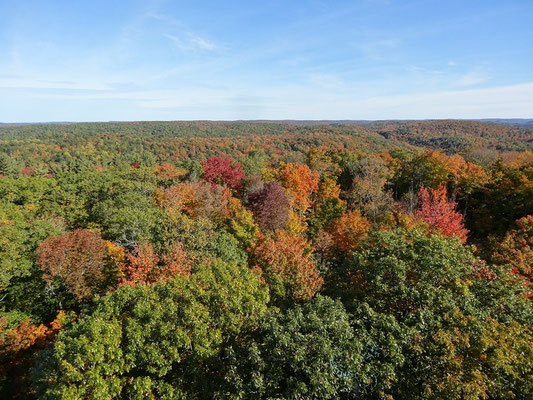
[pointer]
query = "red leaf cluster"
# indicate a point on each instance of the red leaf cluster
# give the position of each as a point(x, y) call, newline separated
point(221, 170)
point(439, 213)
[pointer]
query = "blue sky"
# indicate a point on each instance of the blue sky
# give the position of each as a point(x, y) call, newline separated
point(174, 60)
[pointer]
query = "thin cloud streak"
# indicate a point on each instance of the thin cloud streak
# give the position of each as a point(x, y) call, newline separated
point(311, 102)
point(191, 42)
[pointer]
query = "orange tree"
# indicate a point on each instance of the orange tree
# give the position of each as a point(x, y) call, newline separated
point(300, 182)
point(287, 267)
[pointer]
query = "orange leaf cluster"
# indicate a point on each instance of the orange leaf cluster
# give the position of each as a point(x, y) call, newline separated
point(145, 266)
point(348, 231)
point(195, 199)
point(285, 262)
point(300, 182)
point(169, 171)
point(26, 334)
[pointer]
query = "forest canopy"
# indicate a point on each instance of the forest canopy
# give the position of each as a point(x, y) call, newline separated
point(291, 260)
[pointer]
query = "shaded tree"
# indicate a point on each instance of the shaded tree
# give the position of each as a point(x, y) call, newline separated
point(308, 352)
point(516, 248)
point(21, 232)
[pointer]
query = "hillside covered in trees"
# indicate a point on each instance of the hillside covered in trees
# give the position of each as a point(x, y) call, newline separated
point(263, 260)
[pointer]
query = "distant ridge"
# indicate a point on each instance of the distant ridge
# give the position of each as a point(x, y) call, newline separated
point(448, 135)
point(510, 121)
point(519, 122)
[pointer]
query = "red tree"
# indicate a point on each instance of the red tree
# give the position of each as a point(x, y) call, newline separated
point(439, 213)
point(270, 206)
point(221, 170)
point(141, 265)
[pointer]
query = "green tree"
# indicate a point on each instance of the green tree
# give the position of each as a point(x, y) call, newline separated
point(308, 352)
point(144, 342)
point(448, 313)
point(21, 285)
point(8, 166)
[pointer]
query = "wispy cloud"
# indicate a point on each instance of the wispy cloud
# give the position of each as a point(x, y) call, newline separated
point(32, 83)
point(472, 78)
point(162, 17)
point(201, 43)
point(191, 42)
point(377, 49)
point(306, 102)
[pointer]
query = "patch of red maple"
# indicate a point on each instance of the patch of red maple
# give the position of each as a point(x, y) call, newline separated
point(222, 170)
point(439, 213)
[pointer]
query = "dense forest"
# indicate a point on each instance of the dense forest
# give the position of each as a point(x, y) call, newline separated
point(261, 260)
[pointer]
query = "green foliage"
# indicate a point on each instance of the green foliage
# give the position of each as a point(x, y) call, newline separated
point(137, 340)
point(21, 231)
point(325, 212)
point(128, 219)
point(202, 239)
point(452, 343)
point(308, 352)
point(8, 166)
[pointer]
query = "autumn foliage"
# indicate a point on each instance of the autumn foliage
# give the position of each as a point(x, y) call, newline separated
point(337, 268)
point(270, 206)
point(516, 249)
point(439, 213)
point(79, 260)
point(301, 182)
point(195, 199)
point(221, 170)
point(19, 343)
point(25, 334)
point(168, 171)
point(287, 266)
point(145, 266)
point(348, 230)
